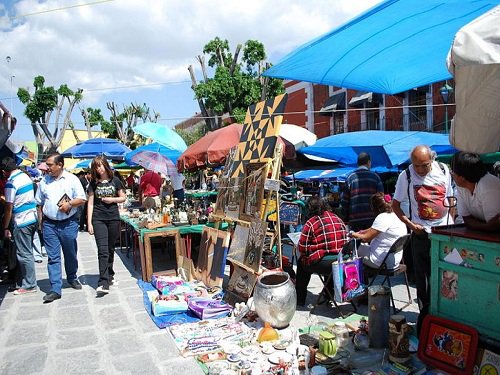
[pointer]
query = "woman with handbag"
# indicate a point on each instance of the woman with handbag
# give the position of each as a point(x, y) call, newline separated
point(105, 191)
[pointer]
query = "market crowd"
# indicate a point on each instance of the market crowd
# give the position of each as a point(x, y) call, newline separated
point(42, 215)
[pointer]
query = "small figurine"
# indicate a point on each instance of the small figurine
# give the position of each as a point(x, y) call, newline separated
point(361, 340)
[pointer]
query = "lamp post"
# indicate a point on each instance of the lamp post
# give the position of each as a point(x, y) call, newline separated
point(445, 92)
point(11, 110)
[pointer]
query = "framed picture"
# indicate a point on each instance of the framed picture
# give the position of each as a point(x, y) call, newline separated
point(289, 213)
point(253, 194)
point(255, 244)
point(221, 202)
point(242, 282)
point(233, 197)
point(448, 345)
point(212, 256)
point(238, 244)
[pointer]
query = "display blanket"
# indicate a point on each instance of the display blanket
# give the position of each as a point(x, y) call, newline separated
point(208, 335)
point(166, 320)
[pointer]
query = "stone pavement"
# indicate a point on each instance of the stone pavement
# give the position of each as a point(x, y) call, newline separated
point(82, 334)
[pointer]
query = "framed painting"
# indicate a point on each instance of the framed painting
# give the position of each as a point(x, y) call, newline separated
point(221, 202)
point(239, 242)
point(289, 213)
point(253, 194)
point(233, 197)
point(242, 282)
point(212, 256)
point(255, 244)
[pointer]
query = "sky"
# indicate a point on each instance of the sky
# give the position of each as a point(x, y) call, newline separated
point(138, 51)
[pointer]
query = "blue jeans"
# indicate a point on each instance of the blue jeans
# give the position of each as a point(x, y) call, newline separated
point(23, 238)
point(57, 235)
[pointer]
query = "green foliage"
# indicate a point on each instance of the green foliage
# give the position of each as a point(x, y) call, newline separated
point(191, 136)
point(234, 93)
point(43, 100)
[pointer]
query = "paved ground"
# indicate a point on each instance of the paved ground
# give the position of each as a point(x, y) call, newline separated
point(82, 334)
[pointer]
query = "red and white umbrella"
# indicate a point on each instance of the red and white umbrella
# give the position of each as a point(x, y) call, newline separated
point(154, 161)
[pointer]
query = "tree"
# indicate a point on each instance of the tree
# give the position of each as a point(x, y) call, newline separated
point(91, 117)
point(191, 136)
point(235, 85)
point(122, 123)
point(40, 106)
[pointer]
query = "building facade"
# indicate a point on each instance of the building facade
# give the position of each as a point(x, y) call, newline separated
point(328, 110)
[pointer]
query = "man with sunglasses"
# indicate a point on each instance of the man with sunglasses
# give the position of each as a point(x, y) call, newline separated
point(427, 186)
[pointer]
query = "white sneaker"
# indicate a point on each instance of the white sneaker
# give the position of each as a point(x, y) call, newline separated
point(101, 290)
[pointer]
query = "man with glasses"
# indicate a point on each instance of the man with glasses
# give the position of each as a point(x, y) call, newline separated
point(58, 197)
point(427, 186)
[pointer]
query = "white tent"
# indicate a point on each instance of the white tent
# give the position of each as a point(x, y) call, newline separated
point(474, 60)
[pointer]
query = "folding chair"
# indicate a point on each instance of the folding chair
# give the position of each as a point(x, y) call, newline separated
point(396, 247)
point(327, 289)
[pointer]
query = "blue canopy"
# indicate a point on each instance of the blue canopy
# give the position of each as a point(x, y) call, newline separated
point(97, 146)
point(154, 147)
point(387, 149)
point(393, 47)
point(331, 175)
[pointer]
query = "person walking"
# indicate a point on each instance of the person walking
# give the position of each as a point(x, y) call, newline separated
point(105, 192)
point(58, 197)
point(359, 187)
point(427, 185)
point(20, 206)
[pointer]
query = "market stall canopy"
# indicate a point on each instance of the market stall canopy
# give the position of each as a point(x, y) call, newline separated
point(169, 153)
point(97, 146)
point(331, 175)
point(387, 149)
point(474, 60)
point(298, 136)
point(162, 134)
point(393, 47)
point(211, 149)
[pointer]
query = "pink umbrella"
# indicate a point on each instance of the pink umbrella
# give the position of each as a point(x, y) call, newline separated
point(42, 166)
point(154, 161)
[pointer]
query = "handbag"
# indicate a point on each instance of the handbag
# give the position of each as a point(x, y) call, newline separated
point(208, 308)
point(347, 277)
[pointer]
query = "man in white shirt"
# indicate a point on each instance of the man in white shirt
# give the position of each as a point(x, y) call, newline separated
point(427, 185)
point(478, 192)
point(58, 197)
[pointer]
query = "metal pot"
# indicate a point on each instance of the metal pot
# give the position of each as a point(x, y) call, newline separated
point(275, 298)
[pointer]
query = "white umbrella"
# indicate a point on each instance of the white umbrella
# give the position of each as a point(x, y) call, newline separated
point(297, 135)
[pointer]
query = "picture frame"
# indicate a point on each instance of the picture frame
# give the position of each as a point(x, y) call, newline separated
point(253, 192)
point(221, 202)
point(289, 213)
point(448, 345)
point(234, 192)
point(255, 244)
point(242, 282)
point(239, 241)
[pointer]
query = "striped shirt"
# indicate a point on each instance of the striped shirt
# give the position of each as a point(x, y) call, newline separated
point(19, 191)
point(321, 235)
point(51, 190)
point(359, 187)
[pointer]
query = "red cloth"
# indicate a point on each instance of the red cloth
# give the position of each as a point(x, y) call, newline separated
point(150, 184)
point(130, 181)
point(321, 235)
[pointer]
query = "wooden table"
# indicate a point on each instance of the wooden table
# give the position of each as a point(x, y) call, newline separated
point(181, 236)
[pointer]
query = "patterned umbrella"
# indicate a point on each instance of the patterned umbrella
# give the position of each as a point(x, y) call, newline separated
point(154, 161)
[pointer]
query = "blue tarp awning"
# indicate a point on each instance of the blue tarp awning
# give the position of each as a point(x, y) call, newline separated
point(387, 149)
point(393, 47)
point(330, 175)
